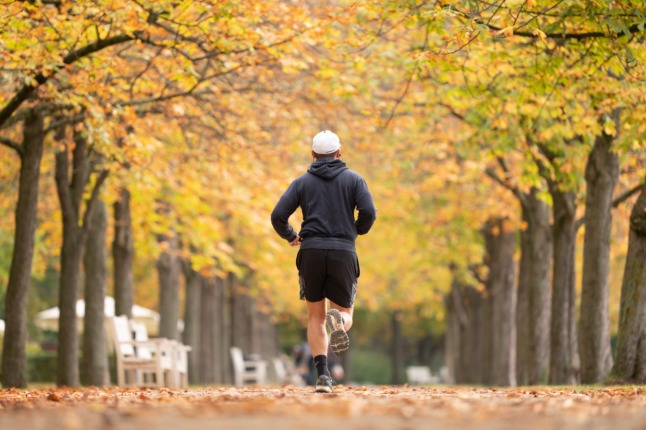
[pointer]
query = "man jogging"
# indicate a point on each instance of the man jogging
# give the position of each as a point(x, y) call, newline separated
point(327, 263)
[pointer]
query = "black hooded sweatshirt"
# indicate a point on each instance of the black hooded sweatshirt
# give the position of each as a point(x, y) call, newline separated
point(328, 195)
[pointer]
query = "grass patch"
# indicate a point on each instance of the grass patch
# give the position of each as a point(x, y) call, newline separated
point(370, 366)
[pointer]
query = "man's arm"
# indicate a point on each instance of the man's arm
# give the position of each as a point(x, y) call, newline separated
point(366, 207)
point(283, 210)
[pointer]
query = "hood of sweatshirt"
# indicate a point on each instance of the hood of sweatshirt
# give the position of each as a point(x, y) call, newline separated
point(327, 168)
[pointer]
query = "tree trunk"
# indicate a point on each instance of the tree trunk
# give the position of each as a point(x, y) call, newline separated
point(222, 324)
point(241, 328)
point(265, 335)
point(483, 329)
point(451, 338)
point(539, 236)
point(457, 323)
point(398, 348)
point(95, 358)
point(168, 268)
point(564, 361)
point(500, 243)
point(70, 194)
point(630, 362)
point(475, 348)
point(523, 339)
point(227, 341)
point(207, 335)
point(192, 317)
point(14, 355)
point(601, 174)
point(123, 256)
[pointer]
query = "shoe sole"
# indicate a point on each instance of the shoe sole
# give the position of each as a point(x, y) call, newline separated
point(339, 339)
point(322, 389)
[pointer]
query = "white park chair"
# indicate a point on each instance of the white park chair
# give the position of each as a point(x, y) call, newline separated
point(420, 375)
point(136, 358)
point(247, 371)
point(174, 356)
point(148, 349)
point(180, 364)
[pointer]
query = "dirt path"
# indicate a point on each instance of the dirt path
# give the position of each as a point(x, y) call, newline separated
point(270, 408)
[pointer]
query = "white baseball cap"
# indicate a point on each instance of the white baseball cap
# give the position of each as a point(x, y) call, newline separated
point(326, 142)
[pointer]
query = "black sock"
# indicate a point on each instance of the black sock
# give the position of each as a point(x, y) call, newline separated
point(320, 361)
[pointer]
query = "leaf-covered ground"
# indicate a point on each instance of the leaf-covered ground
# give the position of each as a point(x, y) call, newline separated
point(273, 408)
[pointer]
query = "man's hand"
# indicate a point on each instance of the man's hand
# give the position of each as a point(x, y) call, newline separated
point(296, 242)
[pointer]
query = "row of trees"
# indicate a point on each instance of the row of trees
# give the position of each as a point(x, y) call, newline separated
point(132, 98)
point(565, 117)
point(188, 120)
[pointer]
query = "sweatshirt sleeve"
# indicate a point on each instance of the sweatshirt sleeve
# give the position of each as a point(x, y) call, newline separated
point(366, 207)
point(285, 207)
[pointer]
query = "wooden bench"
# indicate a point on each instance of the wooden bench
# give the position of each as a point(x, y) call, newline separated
point(143, 361)
point(137, 359)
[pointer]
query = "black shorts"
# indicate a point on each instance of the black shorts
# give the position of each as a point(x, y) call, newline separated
point(328, 273)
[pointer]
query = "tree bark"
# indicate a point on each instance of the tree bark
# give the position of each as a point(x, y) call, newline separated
point(242, 323)
point(523, 338)
point(601, 174)
point(500, 244)
point(564, 360)
point(539, 236)
point(398, 348)
point(476, 343)
point(95, 358)
point(222, 321)
point(208, 335)
point(192, 317)
point(70, 195)
point(226, 299)
point(484, 331)
point(14, 355)
point(265, 334)
point(630, 361)
point(168, 268)
point(451, 338)
point(123, 256)
point(457, 323)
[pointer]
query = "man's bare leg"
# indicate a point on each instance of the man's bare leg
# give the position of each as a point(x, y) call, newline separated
point(317, 338)
point(316, 334)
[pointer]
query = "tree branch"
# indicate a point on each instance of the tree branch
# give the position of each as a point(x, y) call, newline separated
point(54, 125)
point(473, 268)
point(44, 109)
point(453, 112)
point(13, 145)
point(615, 203)
point(573, 36)
point(519, 195)
point(154, 99)
point(634, 28)
point(626, 195)
point(27, 89)
point(401, 98)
